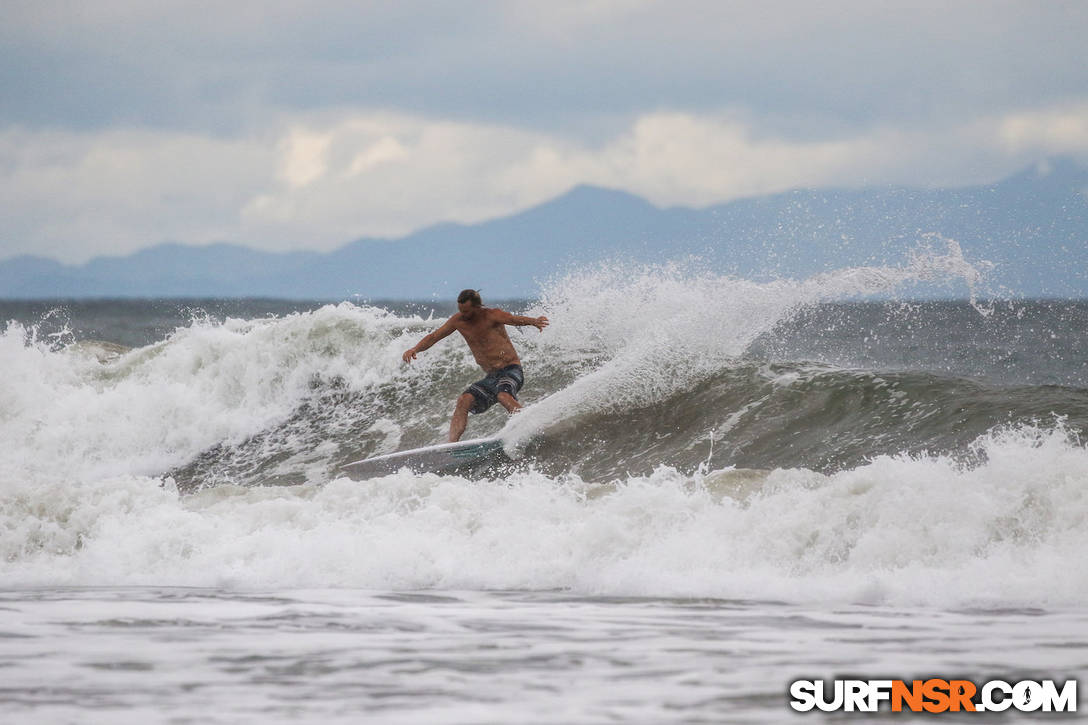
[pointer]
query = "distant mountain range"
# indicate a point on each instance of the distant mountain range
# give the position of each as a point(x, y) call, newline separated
point(1032, 226)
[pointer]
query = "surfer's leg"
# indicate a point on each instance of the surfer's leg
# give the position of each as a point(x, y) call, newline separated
point(510, 380)
point(509, 402)
point(460, 416)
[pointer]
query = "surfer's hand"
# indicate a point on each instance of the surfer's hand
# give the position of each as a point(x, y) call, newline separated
point(409, 355)
point(540, 323)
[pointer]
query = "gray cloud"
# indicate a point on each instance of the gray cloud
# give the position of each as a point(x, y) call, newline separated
point(319, 180)
point(544, 65)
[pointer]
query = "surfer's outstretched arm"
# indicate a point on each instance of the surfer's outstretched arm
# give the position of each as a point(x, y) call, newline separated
point(519, 321)
point(447, 328)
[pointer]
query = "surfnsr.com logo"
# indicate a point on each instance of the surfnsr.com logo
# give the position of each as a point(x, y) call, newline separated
point(933, 695)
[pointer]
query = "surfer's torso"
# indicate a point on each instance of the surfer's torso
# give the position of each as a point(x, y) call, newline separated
point(486, 337)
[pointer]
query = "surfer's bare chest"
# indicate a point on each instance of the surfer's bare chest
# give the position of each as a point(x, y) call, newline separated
point(488, 341)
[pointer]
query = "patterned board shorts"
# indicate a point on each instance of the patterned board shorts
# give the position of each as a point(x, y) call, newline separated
point(486, 391)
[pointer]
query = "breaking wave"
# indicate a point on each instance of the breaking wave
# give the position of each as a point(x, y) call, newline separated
point(664, 452)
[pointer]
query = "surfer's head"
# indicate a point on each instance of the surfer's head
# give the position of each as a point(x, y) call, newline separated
point(470, 295)
point(468, 302)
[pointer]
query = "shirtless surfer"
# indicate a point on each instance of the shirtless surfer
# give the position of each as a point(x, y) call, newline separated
point(484, 329)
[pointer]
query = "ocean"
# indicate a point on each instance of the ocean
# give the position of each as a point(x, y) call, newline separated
point(718, 486)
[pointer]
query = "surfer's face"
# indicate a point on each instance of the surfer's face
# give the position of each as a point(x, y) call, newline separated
point(467, 309)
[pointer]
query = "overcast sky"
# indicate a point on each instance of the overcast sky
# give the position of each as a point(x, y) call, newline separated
point(305, 125)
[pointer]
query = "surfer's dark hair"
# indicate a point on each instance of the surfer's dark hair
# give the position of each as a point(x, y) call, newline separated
point(470, 295)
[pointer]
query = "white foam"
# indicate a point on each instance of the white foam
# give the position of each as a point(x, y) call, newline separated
point(901, 530)
point(68, 415)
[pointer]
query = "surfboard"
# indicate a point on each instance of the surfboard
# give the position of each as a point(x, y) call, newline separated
point(442, 458)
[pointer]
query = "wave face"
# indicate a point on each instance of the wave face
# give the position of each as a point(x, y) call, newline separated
point(686, 434)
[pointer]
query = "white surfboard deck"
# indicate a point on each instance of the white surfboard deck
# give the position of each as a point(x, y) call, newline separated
point(429, 459)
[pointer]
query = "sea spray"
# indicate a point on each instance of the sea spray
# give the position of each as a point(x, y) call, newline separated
point(655, 330)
